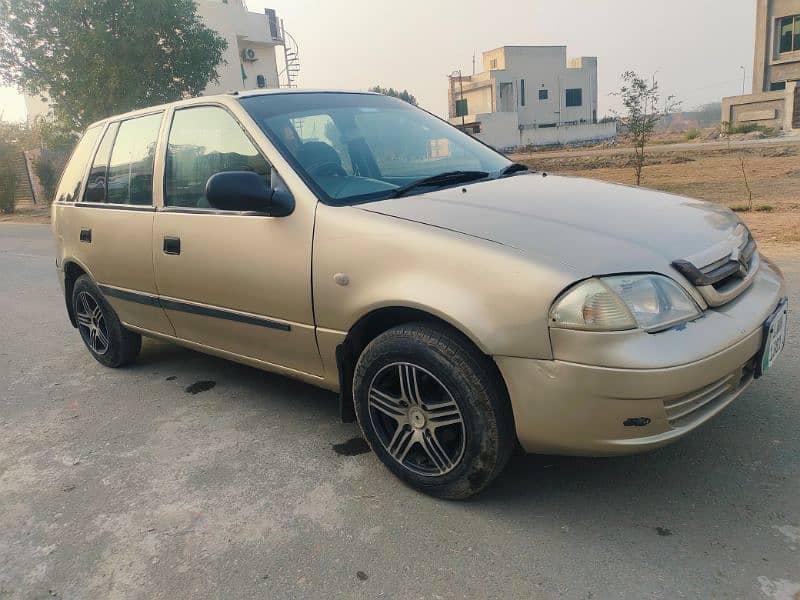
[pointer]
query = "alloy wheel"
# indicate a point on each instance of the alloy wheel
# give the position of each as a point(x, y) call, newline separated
point(416, 419)
point(92, 323)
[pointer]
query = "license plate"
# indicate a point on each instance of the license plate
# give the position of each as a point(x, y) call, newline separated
point(774, 337)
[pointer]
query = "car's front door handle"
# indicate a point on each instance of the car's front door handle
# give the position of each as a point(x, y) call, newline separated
point(172, 245)
point(86, 236)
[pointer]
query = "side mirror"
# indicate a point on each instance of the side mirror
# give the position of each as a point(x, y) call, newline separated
point(247, 191)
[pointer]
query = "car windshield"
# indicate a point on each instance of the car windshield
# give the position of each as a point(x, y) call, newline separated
point(352, 147)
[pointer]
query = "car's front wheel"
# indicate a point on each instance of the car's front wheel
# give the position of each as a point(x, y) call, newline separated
point(101, 331)
point(433, 409)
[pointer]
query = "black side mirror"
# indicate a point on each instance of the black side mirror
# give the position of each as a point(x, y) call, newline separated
point(246, 191)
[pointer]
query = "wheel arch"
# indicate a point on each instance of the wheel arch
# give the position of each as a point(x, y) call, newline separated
point(72, 270)
point(371, 325)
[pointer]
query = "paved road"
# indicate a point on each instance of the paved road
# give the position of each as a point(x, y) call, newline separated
point(661, 148)
point(120, 484)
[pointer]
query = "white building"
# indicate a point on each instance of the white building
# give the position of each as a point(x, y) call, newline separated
point(529, 95)
point(251, 59)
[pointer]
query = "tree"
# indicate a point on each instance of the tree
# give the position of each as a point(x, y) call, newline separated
point(95, 58)
point(641, 100)
point(727, 130)
point(404, 95)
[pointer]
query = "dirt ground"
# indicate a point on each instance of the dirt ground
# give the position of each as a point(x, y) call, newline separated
point(714, 174)
point(39, 215)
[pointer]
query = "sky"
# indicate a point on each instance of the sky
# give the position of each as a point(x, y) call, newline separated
point(695, 48)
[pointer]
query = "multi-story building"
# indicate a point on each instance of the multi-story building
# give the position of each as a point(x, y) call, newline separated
point(775, 99)
point(251, 58)
point(529, 95)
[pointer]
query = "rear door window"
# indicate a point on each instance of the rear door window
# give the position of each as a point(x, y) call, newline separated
point(96, 184)
point(70, 184)
point(203, 141)
point(130, 170)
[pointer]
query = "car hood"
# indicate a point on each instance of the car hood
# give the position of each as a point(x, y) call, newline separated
point(591, 227)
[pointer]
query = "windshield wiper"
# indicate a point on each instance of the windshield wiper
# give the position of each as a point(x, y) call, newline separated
point(440, 180)
point(513, 168)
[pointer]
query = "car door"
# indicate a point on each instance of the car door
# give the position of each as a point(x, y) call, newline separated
point(233, 281)
point(111, 227)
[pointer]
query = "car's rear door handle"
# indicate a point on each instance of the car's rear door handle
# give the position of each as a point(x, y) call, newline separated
point(86, 236)
point(172, 245)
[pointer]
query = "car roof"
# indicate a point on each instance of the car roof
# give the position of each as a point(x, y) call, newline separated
point(226, 96)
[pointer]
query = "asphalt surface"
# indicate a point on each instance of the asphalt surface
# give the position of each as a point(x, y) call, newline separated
point(122, 484)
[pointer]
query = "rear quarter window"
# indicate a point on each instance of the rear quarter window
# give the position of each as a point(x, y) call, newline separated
point(72, 177)
point(130, 169)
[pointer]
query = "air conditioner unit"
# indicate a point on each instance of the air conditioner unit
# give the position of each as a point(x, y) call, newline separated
point(249, 55)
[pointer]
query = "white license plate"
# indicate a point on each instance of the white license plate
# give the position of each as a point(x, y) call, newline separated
point(775, 330)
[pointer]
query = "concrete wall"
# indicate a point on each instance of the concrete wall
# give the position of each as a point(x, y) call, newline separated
point(502, 130)
point(479, 99)
point(770, 109)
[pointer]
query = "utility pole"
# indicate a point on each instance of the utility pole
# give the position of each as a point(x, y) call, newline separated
point(461, 85)
point(461, 92)
point(744, 77)
point(653, 86)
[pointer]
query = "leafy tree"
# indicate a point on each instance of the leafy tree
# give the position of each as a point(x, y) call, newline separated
point(641, 100)
point(404, 95)
point(94, 58)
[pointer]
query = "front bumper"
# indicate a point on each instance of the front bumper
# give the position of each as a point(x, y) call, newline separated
point(640, 391)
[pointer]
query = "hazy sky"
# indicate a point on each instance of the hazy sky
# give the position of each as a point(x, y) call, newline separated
point(696, 46)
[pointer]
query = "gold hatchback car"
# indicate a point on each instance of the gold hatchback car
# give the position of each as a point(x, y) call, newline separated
point(460, 304)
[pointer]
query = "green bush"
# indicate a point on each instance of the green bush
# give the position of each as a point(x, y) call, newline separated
point(734, 128)
point(692, 134)
point(6, 179)
point(47, 172)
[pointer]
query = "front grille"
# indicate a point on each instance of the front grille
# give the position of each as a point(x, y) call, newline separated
point(723, 279)
point(690, 409)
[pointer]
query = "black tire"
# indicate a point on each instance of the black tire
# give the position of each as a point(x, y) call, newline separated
point(434, 356)
point(107, 340)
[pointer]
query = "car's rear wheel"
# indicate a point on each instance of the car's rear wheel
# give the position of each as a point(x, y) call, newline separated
point(101, 331)
point(433, 409)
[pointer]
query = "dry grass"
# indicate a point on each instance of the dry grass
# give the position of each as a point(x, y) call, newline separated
point(714, 175)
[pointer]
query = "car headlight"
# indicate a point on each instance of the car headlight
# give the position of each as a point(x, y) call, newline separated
point(620, 302)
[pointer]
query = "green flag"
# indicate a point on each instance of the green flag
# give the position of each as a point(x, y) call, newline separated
point(244, 75)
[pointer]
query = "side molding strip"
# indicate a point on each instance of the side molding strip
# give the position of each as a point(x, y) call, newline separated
point(137, 297)
point(217, 313)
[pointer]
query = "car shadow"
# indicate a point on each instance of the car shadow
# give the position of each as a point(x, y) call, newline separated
point(186, 367)
point(725, 458)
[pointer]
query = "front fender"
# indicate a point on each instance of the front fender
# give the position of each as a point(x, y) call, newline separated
point(494, 294)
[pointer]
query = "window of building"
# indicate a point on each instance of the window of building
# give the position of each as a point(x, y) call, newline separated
point(522, 92)
point(574, 97)
point(70, 184)
point(777, 86)
point(96, 184)
point(203, 141)
point(789, 34)
point(544, 94)
point(493, 63)
point(130, 170)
